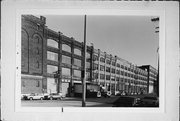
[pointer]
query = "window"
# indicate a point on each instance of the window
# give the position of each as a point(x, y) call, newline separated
point(52, 56)
point(95, 66)
point(108, 62)
point(117, 71)
point(23, 83)
point(37, 64)
point(87, 75)
point(77, 62)
point(88, 55)
point(107, 69)
point(118, 65)
point(113, 78)
point(102, 60)
point(114, 63)
point(95, 58)
point(77, 73)
point(102, 76)
point(107, 77)
point(102, 68)
point(66, 48)
point(87, 65)
point(51, 69)
point(113, 70)
point(66, 59)
point(122, 73)
point(122, 66)
point(125, 68)
point(95, 75)
point(77, 52)
point(36, 39)
point(52, 43)
point(117, 78)
point(37, 83)
point(66, 71)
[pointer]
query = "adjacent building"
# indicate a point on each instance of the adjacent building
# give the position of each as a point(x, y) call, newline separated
point(52, 62)
point(153, 84)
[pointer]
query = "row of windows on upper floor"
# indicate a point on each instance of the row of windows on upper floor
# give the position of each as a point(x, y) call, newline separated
point(66, 71)
point(113, 63)
point(65, 47)
point(102, 68)
point(66, 59)
point(128, 74)
point(77, 73)
point(77, 62)
point(108, 77)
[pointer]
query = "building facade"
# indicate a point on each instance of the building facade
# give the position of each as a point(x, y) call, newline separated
point(152, 82)
point(53, 62)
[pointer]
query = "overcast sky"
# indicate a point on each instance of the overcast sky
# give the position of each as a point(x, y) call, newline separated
point(132, 38)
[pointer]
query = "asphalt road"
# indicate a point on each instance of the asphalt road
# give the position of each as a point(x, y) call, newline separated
point(70, 102)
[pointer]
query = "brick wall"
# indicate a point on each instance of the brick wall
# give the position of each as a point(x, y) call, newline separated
point(33, 52)
point(31, 85)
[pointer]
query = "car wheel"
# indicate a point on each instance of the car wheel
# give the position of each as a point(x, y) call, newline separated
point(51, 98)
point(30, 98)
point(41, 98)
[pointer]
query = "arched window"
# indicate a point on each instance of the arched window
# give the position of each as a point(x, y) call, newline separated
point(52, 43)
point(77, 51)
point(66, 48)
point(37, 39)
point(24, 50)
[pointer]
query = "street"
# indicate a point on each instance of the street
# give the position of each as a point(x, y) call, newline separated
point(70, 102)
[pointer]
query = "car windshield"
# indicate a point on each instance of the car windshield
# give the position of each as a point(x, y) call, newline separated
point(32, 94)
point(53, 94)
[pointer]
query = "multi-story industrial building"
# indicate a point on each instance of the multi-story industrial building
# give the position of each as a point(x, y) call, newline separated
point(53, 62)
point(153, 84)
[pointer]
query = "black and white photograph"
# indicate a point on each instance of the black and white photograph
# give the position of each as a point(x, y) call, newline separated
point(89, 61)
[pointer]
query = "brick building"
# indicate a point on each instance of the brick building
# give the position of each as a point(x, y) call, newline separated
point(52, 62)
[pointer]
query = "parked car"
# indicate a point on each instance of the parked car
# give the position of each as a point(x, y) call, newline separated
point(53, 96)
point(106, 94)
point(152, 101)
point(24, 95)
point(99, 94)
point(121, 93)
point(34, 96)
point(127, 101)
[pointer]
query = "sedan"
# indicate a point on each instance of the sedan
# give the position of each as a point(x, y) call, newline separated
point(127, 101)
point(34, 96)
point(150, 101)
point(53, 96)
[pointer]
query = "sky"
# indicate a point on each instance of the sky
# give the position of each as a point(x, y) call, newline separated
point(132, 38)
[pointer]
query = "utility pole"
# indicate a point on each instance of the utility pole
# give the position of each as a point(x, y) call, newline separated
point(84, 67)
point(157, 31)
